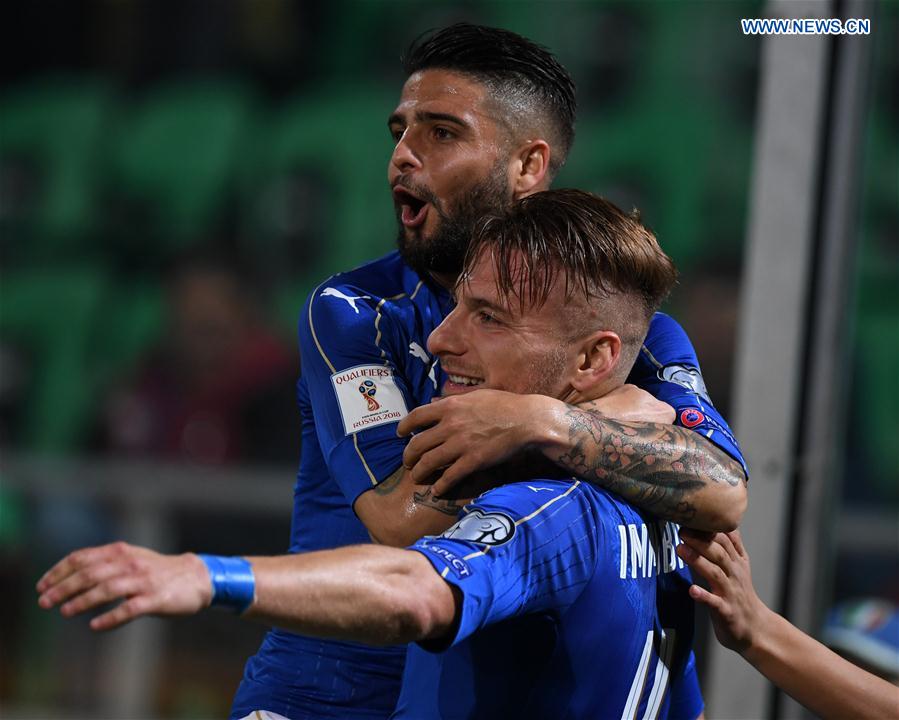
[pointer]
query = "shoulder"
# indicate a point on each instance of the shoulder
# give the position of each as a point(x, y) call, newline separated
point(535, 503)
point(365, 316)
point(666, 343)
point(353, 298)
point(663, 327)
point(384, 282)
point(383, 276)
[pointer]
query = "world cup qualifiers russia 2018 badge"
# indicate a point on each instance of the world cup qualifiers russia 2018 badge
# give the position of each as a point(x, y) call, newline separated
point(368, 390)
point(368, 381)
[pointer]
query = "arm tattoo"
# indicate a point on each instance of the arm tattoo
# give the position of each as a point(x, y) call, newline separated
point(390, 483)
point(445, 505)
point(659, 468)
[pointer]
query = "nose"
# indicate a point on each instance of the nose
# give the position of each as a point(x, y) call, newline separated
point(404, 157)
point(448, 338)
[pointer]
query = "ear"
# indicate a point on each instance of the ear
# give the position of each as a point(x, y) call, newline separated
point(529, 168)
point(598, 361)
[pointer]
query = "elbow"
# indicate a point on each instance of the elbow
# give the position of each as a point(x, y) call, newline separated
point(405, 601)
point(727, 524)
point(426, 605)
point(732, 513)
point(385, 525)
point(415, 620)
point(723, 513)
point(740, 500)
point(389, 524)
point(731, 496)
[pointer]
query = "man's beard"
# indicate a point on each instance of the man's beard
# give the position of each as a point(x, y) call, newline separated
point(444, 252)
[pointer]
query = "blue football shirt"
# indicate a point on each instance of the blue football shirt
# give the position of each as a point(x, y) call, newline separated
point(574, 605)
point(667, 367)
point(363, 347)
point(363, 352)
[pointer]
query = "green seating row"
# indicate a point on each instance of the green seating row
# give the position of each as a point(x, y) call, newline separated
point(94, 177)
point(74, 329)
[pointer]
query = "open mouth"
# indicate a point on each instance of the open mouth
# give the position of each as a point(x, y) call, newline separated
point(413, 210)
point(456, 384)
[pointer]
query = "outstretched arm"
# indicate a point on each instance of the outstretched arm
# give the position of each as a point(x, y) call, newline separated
point(825, 683)
point(370, 594)
point(668, 470)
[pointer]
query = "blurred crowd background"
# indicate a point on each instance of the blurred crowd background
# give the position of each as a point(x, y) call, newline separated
point(174, 179)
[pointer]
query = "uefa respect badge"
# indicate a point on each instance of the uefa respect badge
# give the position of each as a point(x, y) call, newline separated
point(368, 396)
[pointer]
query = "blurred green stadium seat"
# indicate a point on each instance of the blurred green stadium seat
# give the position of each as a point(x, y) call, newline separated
point(669, 146)
point(314, 193)
point(630, 159)
point(80, 332)
point(172, 161)
point(50, 136)
point(662, 139)
point(129, 324)
point(47, 316)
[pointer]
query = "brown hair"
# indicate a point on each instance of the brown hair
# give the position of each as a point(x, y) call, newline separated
point(616, 275)
point(599, 250)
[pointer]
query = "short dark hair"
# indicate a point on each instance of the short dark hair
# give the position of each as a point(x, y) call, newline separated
point(511, 66)
point(598, 249)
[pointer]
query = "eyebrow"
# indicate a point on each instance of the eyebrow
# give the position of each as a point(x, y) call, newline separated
point(426, 116)
point(478, 303)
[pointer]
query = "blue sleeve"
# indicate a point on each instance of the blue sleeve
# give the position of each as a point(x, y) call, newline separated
point(357, 391)
point(667, 367)
point(686, 697)
point(522, 548)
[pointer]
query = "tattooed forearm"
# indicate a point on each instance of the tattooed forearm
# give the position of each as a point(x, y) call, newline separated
point(427, 499)
point(664, 469)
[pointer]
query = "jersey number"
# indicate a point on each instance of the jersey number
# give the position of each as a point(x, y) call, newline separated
point(660, 677)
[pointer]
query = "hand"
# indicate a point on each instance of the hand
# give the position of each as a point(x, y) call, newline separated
point(465, 433)
point(735, 607)
point(629, 403)
point(149, 583)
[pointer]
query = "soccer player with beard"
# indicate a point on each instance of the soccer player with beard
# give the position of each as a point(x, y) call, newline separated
point(485, 117)
point(548, 598)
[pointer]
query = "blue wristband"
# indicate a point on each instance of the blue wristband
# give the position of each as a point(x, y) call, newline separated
point(233, 583)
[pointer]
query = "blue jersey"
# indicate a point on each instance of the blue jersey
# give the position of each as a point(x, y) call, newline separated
point(574, 605)
point(363, 345)
point(363, 339)
point(668, 368)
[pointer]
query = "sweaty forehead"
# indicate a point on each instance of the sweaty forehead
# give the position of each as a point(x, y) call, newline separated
point(481, 282)
point(443, 91)
point(479, 278)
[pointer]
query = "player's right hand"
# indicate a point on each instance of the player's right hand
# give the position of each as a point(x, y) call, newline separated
point(459, 435)
point(147, 582)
